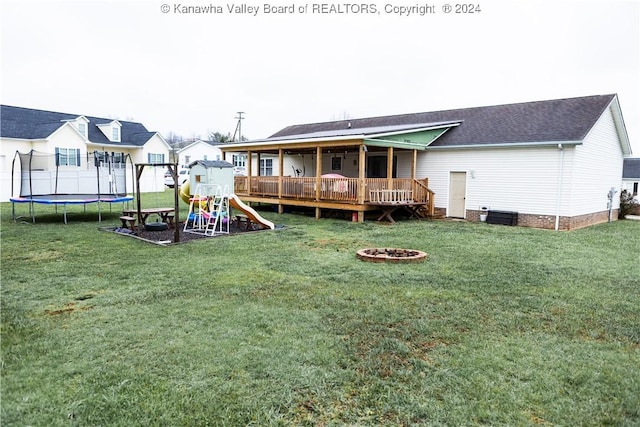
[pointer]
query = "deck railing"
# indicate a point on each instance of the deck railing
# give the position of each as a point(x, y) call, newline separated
point(299, 188)
point(339, 190)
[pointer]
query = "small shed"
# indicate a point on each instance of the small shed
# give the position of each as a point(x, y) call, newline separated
point(211, 173)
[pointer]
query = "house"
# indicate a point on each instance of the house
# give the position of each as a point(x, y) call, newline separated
point(76, 140)
point(196, 150)
point(549, 163)
point(631, 175)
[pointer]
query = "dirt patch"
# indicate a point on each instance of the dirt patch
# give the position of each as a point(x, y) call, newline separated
point(68, 308)
point(166, 237)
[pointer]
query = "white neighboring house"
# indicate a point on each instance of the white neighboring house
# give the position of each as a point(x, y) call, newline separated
point(80, 137)
point(197, 150)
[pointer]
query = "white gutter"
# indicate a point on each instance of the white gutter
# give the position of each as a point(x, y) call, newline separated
point(559, 192)
point(506, 145)
point(26, 139)
point(113, 145)
point(285, 142)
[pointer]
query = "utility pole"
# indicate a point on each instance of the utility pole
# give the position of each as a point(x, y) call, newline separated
point(238, 130)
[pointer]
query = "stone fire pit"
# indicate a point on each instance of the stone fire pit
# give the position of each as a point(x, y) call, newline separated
point(391, 255)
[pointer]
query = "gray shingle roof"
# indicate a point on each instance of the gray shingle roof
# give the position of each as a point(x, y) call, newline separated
point(631, 168)
point(27, 123)
point(542, 121)
point(212, 163)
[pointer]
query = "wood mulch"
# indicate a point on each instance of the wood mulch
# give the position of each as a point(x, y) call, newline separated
point(166, 237)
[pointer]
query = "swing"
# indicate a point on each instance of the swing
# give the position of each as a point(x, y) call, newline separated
point(158, 225)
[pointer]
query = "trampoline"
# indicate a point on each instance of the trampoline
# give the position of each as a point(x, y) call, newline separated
point(99, 178)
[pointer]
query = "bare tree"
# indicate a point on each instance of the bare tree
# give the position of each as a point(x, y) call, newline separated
point(343, 116)
point(220, 137)
point(173, 139)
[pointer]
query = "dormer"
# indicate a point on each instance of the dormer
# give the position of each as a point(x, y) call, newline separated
point(81, 124)
point(112, 130)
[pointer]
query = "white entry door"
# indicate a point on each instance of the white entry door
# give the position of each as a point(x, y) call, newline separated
point(457, 194)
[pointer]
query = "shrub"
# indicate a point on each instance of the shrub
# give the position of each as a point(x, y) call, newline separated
point(628, 205)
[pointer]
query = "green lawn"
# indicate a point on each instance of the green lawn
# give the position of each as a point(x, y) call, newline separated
point(500, 326)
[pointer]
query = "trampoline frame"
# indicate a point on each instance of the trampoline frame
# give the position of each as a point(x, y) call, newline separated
point(65, 199)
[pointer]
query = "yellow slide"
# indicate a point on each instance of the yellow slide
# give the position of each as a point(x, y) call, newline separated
point(254, 216)
point(184, 192)
point(186, 196)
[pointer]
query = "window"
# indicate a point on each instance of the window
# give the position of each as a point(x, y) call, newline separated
point(635, 188)
point(239, 161)
point(266, 167)
point(67, 157)
point(205, 158)
point(336, 163)
point(118, 160)
point(155, 158)
point(101, 157)
point(82, 128)
point(104, 158)
point(187, 160)
point(115, 134)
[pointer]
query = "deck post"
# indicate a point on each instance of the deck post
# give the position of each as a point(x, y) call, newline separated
point(249, 171)
point(414, 163)
point(318, 176)
point(362, 159)
point(280, 169)
point(390, 168)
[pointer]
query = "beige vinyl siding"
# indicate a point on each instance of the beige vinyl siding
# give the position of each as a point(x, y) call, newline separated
point(519, 179)
point(152, 178)
point(597, 168)
point(66, 137)
point(9, 148)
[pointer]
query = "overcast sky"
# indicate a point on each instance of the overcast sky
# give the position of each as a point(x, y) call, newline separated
point(190, 73)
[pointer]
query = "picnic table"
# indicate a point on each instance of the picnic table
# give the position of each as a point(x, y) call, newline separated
point(390, 201)
point(390, 208)
point(165, 214)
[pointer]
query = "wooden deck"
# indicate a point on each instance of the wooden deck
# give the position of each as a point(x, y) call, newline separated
point(350, 194)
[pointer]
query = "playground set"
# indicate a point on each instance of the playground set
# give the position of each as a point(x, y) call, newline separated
point(101, 178)
point(211, 204)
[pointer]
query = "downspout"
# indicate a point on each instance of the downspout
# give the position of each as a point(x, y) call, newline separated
point(559, 193)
